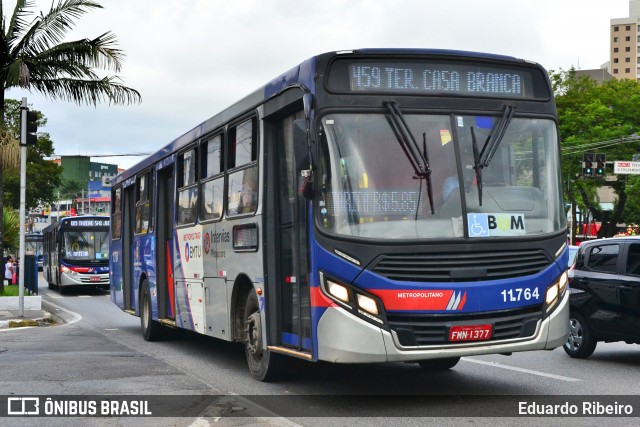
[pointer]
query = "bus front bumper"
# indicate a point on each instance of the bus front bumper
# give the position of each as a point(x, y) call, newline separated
point(81, 279)
point(344, 338)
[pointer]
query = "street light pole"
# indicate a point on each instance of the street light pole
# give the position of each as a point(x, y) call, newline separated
point(23, 190)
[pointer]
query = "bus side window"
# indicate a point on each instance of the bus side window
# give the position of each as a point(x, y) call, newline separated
point(212, 187)
point(142, 204)
point(242, 190)
point(115, 213)
point(187, 188)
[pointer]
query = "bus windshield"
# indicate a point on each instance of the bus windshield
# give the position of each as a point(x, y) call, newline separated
point(85, 245)
point(370, 186)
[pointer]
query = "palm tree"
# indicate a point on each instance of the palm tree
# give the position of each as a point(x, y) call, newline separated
point(11, 222)
point(34, 56)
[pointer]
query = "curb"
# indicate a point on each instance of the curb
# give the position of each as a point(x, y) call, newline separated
point(47, 319)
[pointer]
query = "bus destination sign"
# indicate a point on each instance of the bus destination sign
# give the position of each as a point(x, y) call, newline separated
point(87, 222)
point(440, 78)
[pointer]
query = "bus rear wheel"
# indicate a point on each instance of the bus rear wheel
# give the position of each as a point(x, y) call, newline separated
point(263, 364)
point(151, 329)
point(439, 364)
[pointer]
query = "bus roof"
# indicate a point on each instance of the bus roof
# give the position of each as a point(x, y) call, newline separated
point(302, 76)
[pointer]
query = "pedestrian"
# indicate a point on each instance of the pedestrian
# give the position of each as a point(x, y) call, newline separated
point(9, 270)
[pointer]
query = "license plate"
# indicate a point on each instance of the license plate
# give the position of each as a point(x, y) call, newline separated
point(94, 279)
point(470, 333)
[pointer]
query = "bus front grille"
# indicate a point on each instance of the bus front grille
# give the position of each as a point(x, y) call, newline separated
point(461, 267)
point(424, 330)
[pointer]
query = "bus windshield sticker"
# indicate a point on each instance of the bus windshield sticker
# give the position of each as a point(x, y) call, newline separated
point(445, 136)
point(495, 224)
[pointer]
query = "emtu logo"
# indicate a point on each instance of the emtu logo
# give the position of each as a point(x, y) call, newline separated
point(186, 252)
point(457, 300)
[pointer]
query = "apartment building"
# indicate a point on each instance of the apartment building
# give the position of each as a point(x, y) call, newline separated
point(624, 55)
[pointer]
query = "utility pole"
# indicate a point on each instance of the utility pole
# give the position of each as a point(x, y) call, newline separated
point(23, 189)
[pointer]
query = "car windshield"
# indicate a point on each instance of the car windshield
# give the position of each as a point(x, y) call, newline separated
point(85, 245)
point(370, 186)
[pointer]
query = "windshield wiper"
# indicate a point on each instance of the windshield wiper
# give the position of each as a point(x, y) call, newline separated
point(477, 165)
point(482, 159)
point(418, 159)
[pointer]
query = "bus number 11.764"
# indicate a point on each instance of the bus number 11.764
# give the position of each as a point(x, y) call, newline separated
point(519, 294)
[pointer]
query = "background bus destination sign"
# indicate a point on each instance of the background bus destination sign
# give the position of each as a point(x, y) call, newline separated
point(440, 78)
point(88, 222)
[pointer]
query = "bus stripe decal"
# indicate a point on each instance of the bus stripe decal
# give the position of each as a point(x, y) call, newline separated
point(170, 287)
point(318, 299)
point(187, 304)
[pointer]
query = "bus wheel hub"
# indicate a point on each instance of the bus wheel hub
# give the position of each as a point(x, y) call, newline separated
point(254, 334)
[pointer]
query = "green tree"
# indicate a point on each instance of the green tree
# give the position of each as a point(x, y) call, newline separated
point(43, 176)
point(35, 56)
point(11, 237)
point(71, 189)
point(596, 117)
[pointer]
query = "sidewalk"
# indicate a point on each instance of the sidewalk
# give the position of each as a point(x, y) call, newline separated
point(11, 318)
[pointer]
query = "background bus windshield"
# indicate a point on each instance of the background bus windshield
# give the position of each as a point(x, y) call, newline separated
point(85, 245)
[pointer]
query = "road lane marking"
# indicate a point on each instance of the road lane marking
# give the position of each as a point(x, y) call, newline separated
point(526, 371)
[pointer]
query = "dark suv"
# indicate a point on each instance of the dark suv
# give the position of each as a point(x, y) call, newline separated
point(605, 295)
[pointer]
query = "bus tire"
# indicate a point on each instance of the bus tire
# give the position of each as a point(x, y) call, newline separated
point(151, 329)
point(264, 365)
point(439, 364)
point(580, 343)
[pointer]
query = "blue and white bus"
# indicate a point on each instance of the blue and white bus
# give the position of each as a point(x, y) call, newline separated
point(76, 253)
point(378, 205)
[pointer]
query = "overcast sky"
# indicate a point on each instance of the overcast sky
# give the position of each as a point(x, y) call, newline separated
point(190, 59)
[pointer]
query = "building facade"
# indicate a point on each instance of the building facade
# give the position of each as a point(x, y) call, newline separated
point(624, 55)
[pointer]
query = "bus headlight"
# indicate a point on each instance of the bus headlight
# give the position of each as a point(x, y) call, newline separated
point(338, 291)
point(355, 300)
point(68, 271)
point(555, 293)
point(368, 304)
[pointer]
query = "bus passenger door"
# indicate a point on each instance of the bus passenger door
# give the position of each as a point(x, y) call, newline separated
point(128, 209)
point(286, 225)
point(164, 242)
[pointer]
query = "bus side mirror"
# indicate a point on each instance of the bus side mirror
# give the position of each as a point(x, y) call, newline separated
point(301, 156)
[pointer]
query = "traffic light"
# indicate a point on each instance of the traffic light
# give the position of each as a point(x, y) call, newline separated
point(587, 165)
point(600, 165)
point(31, 118)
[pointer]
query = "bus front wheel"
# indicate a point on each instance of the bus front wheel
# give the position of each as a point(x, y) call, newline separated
point(151, 329)
point(263, 364)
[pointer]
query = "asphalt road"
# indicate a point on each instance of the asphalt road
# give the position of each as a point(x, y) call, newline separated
point(101, 351)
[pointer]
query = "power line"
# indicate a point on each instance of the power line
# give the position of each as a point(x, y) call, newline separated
point(579, 149)
point(105, 155)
